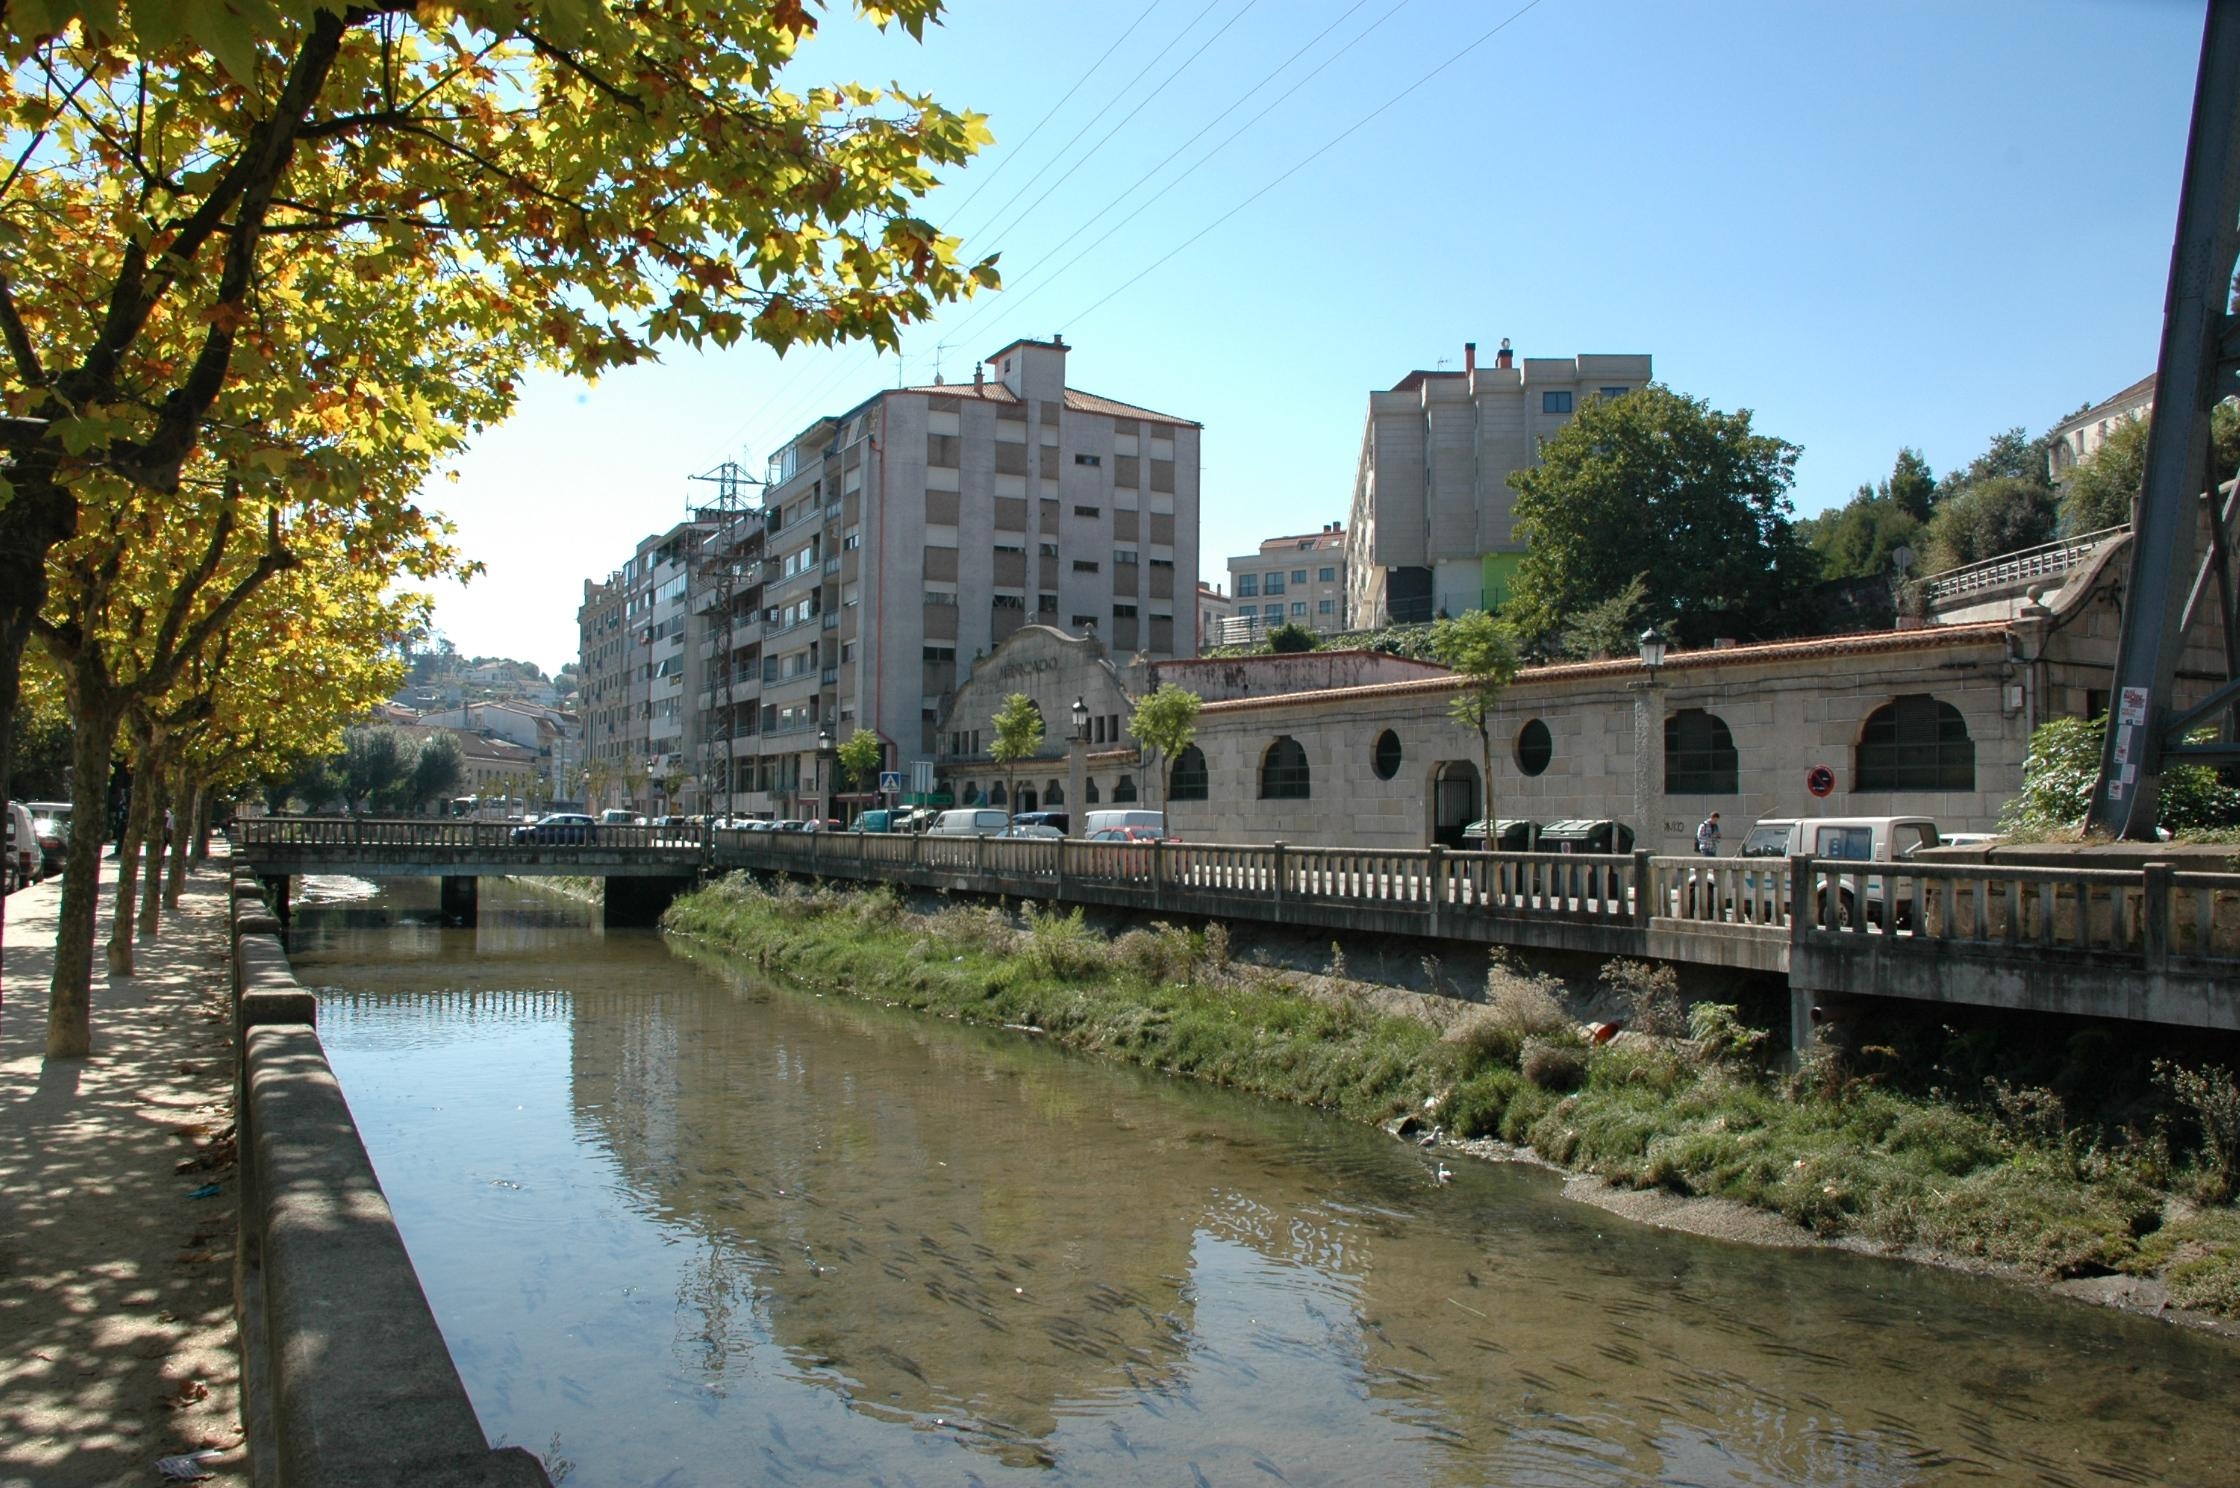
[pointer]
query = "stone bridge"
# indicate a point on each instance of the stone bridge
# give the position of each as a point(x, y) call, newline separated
point(2154, 942)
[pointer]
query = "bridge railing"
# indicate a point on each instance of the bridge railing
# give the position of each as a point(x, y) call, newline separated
point(2154, 915)
point(393, 832)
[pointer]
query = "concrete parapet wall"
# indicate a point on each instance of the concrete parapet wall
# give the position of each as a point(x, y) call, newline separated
point(346, 1378)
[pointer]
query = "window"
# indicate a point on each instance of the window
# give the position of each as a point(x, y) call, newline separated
point(1092, 791)
point(1384, 757)
point(1555, 402)
point(1123, 556)
point(1248, 586)
point(1326, 576)
point(852, 541)
point(1275, 584)
point(1613, 392)
point(1046, 604)
point(996, 795)
point(1915, 743)
point(1124, 789)
point(1298, 576)
point(1298, 607)
point(1699, 755)
point(941, 597)
point(1088, 459)
point(1273, 612)
point(1326, 607)
point(1123, 612)
point(1088, 511)
point(1283, 771)
point(1008, 602)
point(1085, 565)
point(1015, 548)
point(1049, 550)
point(1535, 747)
point(1053, 794)
point(1084, 622)
point(1188, 781)
point(941, 653)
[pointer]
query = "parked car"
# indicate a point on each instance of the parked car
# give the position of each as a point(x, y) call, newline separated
point(562, 828)
point(1128, 834)
point(615, 816)
point(53, 831)
point(970, 821)
point(1058, 819)
point(878, 819)
point(1859, 839)
point(22, 864)
point(1155, 820)
point(1032, 829)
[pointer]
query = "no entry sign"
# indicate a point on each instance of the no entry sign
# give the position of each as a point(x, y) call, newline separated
point(1820, 780)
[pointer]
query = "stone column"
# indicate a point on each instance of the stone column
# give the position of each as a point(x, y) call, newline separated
point(1648, 763)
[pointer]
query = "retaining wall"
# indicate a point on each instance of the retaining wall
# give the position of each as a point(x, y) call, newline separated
point(345, 1378)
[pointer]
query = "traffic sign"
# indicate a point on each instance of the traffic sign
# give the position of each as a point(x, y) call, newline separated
point(1820, 780)
point(890, 782)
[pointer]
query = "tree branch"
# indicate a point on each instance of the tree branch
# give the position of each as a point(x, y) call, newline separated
point(19, 340)
point(565, 59)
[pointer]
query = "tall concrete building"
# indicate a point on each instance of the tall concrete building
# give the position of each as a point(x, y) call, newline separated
point(1434, 525)
point(896, 545)
point(1295, 580)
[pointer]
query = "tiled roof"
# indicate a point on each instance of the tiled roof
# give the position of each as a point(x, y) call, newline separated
point(1272, 657)
point(1077, 400)
point(1868, 643)
point(2140, 391)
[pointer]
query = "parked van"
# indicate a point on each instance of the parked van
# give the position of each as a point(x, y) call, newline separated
point(1156, 821)
point(616, 817)
point(1857, 839)
point(878, 819)
point(970, 822)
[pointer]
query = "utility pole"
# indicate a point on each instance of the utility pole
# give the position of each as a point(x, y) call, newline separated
point(718, 566)
point(2199, 361)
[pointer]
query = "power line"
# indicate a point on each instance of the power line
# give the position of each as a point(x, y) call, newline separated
point(1019, 149)
point(1325, 148)
point(1009, 301)
point(1109, 106)
point(1141, 105)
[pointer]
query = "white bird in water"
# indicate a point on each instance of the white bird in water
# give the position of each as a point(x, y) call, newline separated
point(1445, 1174)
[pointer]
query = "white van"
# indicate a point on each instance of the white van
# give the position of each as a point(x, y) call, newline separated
point(1858, 839)
point(1155, 821)
point(970, 822)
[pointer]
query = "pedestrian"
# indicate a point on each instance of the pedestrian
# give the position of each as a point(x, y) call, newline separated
point(1707, 837)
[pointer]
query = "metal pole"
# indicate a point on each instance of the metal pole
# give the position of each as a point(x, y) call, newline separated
point(2189, 378)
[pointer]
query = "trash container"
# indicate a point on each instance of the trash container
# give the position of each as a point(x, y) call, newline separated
point(1591, 837)
point(1510, 834)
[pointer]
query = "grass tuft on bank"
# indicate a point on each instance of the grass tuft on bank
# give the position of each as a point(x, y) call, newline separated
point(1689, 1102)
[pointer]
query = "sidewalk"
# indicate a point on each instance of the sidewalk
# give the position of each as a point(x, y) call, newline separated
point(117, 1341)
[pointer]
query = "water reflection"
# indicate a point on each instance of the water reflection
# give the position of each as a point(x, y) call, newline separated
point(684, 1227)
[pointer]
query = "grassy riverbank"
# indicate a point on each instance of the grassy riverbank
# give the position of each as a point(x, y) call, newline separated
point(2110, 1166)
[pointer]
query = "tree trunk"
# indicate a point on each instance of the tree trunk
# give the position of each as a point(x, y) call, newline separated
point(159, 848)
point(189, 798)
point(128, 866)
point(70, 992)
point(204, 809)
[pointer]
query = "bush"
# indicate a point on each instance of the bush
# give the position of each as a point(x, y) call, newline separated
point(2064, 765)
point(2212, 1098)
point(1158, 953)
point(1722, 1038)
point(1475, 1107)
point(1650, 995)
point(1518, 1007)
point(1063, 945)
point(1553, 1065)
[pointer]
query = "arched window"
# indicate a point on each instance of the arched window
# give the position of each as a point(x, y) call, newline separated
point(996, 796)
point(1283, 771)
point(1124, 789)
point(1699, 756)
point(1187, 781)
point(1915, 743)
point(971, 795)
point(1054, 794)
point(1092, 790)
point(1384, 755)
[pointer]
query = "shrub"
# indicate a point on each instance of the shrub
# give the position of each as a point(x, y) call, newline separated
point(1650, 995)
point(1552, 1065)
point(1158, 953)
point(1475, 1107)
point(1722, 1038)
point(971, 928)
point(1063, 945)
point(2212, 1098)
point(1517, 1008)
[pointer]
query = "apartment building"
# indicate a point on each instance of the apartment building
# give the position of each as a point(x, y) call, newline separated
point(638, 734)
point(1434, 517)
point(895, 546)
point(1295, 580)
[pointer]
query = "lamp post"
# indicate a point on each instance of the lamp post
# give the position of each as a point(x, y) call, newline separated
point(1648, 743)
point(1077, 770)
point(827, 808)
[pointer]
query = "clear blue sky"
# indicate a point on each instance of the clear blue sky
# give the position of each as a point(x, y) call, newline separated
point(1874, 225)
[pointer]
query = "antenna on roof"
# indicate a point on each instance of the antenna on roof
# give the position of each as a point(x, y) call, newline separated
point(938, 348)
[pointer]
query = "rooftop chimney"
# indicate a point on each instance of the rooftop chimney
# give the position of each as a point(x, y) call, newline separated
point(1504, 358)
point(1469, 358)
point(979, 378)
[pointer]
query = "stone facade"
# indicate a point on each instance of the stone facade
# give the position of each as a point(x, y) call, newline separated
point(1218, 679)
point(1054, 669)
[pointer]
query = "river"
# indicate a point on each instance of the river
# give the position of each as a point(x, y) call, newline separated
point(682, 1226)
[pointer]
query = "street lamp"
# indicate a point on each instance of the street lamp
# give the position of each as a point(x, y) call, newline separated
point(829, 807)
point(1648, 743)
point(1077, 771)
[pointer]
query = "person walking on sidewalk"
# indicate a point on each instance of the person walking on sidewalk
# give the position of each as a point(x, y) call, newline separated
point(1707, 837)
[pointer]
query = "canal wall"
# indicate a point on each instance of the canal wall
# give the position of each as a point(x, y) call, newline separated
point(345, 1376)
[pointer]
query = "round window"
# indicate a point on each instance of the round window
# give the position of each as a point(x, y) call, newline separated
point(1385, 758)
point(1534, 747)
